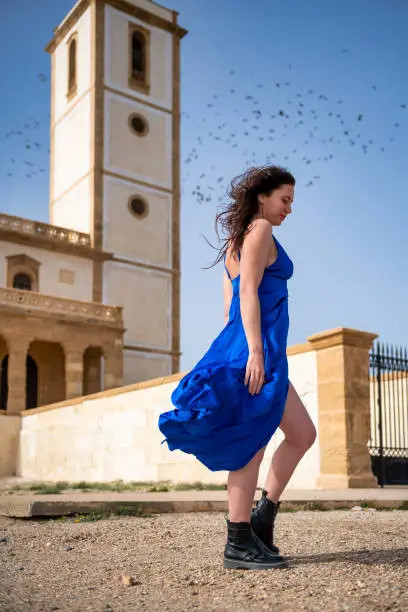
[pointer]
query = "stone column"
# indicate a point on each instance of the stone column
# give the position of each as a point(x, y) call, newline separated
point(74, 372)
point(17, 374)
point(113, 368)
point(344, 408)
point(92, 371)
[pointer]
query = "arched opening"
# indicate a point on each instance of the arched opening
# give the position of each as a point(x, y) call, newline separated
point(138, 55)
point(139, 43)
point(72, 67)
point(22, 281)
point(31, 383)
point(23, 272)
point(3, 374)
point(4, 383)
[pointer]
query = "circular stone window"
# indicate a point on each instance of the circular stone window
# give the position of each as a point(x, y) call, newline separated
point(138, 207)
point(138, 124)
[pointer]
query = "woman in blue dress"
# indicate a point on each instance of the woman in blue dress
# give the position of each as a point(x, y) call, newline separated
point(227, 408)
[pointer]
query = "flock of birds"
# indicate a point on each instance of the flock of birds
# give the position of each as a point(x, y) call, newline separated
point(253, 131)
point(28, 135)
point(259, 133)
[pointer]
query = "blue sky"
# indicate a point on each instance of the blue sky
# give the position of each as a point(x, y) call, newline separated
point(344, 62)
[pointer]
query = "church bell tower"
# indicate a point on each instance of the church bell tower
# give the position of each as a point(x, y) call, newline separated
point(115, 164)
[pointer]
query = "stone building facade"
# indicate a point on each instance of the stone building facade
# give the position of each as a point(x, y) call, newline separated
point(91, 301)
point(53, 346)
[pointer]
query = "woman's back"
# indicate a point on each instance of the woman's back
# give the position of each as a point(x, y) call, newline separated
point(275, 275)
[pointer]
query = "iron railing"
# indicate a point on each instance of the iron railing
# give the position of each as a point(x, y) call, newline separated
point(388, 444)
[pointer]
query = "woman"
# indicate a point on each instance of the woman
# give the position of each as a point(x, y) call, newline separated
point(228, 407)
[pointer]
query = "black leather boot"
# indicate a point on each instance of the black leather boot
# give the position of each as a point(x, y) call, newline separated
point(242, 551)
point(263, 521)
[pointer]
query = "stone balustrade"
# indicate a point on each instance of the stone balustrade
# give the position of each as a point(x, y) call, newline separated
point(44, 230)
point(38, 302)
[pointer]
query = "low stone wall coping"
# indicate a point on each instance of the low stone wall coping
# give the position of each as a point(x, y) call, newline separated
point(342, 336)
point(147, 384)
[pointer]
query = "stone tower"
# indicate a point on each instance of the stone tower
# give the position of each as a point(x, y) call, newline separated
point(115, 165)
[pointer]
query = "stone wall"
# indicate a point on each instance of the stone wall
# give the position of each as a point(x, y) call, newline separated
point(107, 436)
point(114, 434)
point(303, 375)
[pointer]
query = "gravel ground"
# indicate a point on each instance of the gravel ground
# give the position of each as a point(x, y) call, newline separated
point(340, 560)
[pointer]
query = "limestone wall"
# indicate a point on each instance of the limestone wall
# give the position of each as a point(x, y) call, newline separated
point(98, 438)
point(71, 163)
point(303, 375)
point(114, 435)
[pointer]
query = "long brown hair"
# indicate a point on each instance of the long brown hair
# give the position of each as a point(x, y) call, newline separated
point(235, 217)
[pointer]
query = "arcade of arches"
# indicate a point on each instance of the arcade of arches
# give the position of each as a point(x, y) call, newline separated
point(45, 360)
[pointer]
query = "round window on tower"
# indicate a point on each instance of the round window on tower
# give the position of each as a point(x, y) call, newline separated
point(138, 207)
point(138, 124)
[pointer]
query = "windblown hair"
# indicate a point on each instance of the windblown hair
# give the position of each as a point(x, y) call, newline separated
point(236, 216)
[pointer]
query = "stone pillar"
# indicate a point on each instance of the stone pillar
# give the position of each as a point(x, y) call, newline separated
point(74, 372)
point(344, 408)
point(113, 369)
point(92, 371)
point(17, 374)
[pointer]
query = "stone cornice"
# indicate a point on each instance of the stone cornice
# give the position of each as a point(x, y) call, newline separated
point(148, 384)
point(297, 349)
point(49, 237)
point(61, 31)
point(342, 336)
point(121, 5)
point(147, 17)
point(23, 302)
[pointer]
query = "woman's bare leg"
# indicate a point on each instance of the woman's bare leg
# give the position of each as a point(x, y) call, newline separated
point(241, 489)
point(300, 433)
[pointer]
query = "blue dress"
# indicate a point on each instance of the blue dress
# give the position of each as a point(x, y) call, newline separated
point(215, 417)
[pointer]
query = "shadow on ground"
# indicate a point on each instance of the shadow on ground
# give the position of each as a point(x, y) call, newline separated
point(393, 556)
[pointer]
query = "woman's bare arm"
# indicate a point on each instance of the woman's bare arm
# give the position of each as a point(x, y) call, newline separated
point(255, 253)
point(227, 289)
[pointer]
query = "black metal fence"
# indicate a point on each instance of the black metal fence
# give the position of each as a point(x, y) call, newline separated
point(388, 445)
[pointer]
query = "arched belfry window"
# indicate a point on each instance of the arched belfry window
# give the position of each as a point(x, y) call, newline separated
point(23, 272)
point(22, 281)
point(72, 66)
point(138, 55)
point(139, 58)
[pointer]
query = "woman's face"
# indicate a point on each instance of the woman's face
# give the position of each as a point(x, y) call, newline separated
point(276, 206)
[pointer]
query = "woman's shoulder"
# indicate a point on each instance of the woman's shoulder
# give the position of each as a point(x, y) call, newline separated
point(259, 228)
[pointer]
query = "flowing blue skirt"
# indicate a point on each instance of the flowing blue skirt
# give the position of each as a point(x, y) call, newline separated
point(215, 417)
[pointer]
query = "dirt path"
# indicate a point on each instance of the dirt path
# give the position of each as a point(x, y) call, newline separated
point(342, 560)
